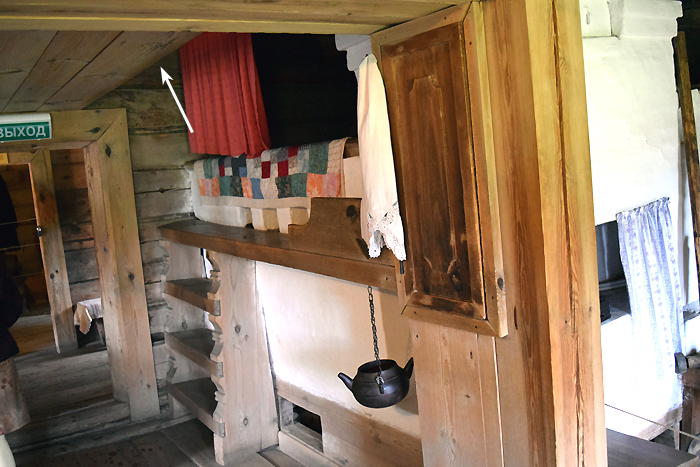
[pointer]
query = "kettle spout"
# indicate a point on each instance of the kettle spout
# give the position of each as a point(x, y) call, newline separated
point(346, 379)
point(408, 369)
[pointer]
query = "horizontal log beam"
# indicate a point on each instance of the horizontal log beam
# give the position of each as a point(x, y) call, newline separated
point(285, 16)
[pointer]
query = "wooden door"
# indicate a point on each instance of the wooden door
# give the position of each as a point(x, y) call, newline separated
point(447, 196)
point(51, 244)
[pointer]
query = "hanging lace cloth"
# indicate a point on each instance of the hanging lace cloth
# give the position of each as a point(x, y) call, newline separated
point(381, 224)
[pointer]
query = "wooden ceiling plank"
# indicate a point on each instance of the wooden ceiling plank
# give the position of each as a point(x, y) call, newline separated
point(19, 51)
point(129, 54)
point(68, 53)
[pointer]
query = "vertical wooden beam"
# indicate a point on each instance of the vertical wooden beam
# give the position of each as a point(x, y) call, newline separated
point(550, 364)
point(52, 253)
point(111, 188)
point(245, 393)
point(690, 137)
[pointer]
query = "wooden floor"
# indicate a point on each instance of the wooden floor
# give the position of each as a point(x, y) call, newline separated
point(188, 444)
point(68, 396)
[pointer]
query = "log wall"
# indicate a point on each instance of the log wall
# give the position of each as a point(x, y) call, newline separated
point(159, 149)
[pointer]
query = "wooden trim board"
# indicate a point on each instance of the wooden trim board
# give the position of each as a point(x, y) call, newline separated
point(286, 16)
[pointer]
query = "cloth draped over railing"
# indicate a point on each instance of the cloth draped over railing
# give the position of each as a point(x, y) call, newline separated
point(222, 95)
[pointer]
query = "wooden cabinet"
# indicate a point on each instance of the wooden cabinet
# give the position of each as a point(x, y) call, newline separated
point(439, 112)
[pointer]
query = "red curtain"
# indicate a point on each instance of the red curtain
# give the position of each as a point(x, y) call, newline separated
point(222, 95)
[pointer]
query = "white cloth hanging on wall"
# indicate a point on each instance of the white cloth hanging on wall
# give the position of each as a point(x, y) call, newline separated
point(381, 224)
point(651, 269)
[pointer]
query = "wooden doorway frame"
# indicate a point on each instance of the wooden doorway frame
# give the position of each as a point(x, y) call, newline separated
point(103, 137)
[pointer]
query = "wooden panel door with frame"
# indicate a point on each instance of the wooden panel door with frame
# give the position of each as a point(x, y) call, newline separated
point(440, 121)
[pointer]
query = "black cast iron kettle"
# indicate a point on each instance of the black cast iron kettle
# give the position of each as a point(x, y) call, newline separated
point(379, 390)
point(380, 383)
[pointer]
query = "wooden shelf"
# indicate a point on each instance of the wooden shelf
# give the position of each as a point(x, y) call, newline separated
point(274, 248)
point(195, 344)
point(198, 396)
point(194, 291)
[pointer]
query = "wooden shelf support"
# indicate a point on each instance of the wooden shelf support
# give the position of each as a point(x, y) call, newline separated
point(198, 396)
point(195, 291)
point(197, 345)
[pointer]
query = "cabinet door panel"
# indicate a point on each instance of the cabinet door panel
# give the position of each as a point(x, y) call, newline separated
point(426, 77)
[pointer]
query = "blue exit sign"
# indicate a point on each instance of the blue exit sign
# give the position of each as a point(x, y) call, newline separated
point(25, 127)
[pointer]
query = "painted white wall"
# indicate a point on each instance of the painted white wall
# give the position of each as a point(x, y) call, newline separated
point(319, 326)
point(633, 120)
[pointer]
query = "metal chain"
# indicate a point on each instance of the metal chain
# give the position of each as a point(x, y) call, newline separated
point(379, 379)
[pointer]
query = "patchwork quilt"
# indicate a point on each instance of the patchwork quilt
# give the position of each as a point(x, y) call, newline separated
point(272, 178)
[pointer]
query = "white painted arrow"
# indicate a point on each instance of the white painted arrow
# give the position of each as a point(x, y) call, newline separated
point(166, 79)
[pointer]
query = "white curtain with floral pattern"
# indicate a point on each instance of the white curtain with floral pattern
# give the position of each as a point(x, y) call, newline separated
point(649, 260)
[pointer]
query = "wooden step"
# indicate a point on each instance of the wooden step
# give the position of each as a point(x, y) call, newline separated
point(279, 459)
point(198, 396)
point(194, 291)
point(55, 429)
point(195, 344)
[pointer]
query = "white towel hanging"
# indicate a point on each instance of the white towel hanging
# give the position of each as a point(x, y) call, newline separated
point(380, 206)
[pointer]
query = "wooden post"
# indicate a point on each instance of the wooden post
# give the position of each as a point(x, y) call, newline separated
point(110, 188)
point(690, 138)
point(550, 376)
point(245, 393)
point(533, 397)
point(52, 253)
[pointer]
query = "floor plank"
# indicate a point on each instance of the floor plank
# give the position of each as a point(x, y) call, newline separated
point(187, 444)
point(628, 451)
point(160, 451)
point(110, 454)
point(53, 385)
point(66, 460)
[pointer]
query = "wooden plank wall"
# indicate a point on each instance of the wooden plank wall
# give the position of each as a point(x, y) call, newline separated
point(159, 149)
